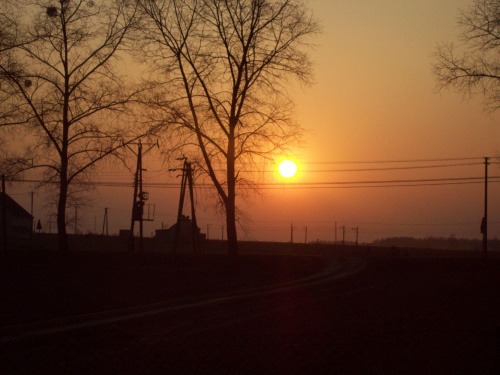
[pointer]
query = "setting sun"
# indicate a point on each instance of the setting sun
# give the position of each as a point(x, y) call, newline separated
point(287, 168)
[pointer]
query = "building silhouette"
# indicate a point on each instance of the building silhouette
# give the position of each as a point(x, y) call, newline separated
point(19, 221)
point(185, 232)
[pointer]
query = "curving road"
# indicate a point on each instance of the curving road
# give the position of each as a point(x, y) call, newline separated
point(373, 315)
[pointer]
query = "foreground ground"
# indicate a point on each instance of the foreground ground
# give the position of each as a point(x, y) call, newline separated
point(43, 285)
point(386, 314)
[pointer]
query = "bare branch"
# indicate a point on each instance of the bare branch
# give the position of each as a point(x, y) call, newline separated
point(473, 67)
point(226, 63)
point(61, 85)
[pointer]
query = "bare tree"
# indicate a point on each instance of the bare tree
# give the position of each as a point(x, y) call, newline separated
point(63, 86)
point(227, 64)
point(474, 65)
point(9, 39)
point(9, 32)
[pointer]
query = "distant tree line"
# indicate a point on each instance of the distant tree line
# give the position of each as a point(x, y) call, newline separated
point(445, 243)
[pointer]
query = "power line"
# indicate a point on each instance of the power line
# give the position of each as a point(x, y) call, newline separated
point(379, 181)
point(393, 168)
point(304, 185)
point(164, 172)
point(395, 161)
point(371, 169)
point(376, 186)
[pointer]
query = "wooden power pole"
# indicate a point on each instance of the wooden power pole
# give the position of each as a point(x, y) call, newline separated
point(187, 181)
point(140, 196)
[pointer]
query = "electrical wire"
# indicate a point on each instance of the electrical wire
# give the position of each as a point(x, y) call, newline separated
point(163, 171)
point(395, 161)
point(380, 181)
point(393, 168)
point(304, 185)
point(370, 169)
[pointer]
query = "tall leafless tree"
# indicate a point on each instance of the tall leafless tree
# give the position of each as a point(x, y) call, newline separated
point(227, 63)
point(9, 40)
point(473, 66)
point(9, 28)
point(63, 86)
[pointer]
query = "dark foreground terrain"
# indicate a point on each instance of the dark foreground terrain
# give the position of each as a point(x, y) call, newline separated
point(388, 314)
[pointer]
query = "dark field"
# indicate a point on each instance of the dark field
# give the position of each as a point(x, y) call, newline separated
point(392, 312)
point(38, 286)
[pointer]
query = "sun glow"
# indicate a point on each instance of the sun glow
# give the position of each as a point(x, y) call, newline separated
point(287, 168)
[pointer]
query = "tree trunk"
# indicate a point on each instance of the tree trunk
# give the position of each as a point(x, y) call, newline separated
point(232, 239)
point(62, 237)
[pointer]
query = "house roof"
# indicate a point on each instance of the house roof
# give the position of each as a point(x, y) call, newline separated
point(186, 223)
point(13, 207)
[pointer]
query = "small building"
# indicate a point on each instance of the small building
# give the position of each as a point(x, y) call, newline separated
point(19, 221)
point(124, 233)
point(185, 232)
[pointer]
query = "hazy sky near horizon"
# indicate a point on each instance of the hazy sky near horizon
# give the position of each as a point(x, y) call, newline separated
point(374, 99)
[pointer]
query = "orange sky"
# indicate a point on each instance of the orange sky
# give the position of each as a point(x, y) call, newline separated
point(374, 100)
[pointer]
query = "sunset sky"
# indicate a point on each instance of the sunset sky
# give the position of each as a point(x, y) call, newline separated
point(374, 99)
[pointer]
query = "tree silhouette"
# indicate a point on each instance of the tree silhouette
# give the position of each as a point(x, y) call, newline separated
point(474, 65)
point(9, 40)
point(63, 87)
point(226, 65)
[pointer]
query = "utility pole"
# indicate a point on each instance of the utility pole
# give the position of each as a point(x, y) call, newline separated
point(187, 179)
point(208, 231)
point(343, 234)
point(105, 224)
point(357, 235)
point(139, 196)
point(293, 228)
point(484, 223)
point(335, 242)
point(138, 203)
point(181, 204)
point(194, 225)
